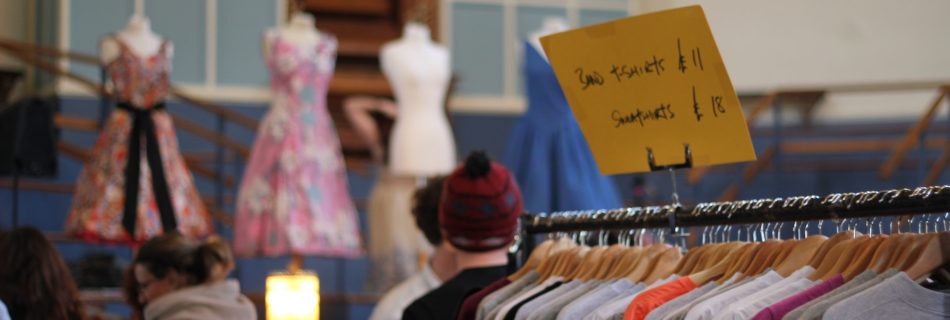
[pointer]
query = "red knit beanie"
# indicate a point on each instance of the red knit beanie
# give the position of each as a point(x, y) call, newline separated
point(480, 205)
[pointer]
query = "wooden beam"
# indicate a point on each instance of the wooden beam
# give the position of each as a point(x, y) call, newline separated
point(75, 123)
point(209, 135)
point(910, 139)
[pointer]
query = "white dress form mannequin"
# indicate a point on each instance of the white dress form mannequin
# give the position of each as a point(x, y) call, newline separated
point(138, 37)
point(300, 31)
point(418, 70)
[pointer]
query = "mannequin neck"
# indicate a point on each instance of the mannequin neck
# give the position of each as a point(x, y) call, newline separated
point(301, 21)
point(138, 26)
point(468, 260)
point(416, 32)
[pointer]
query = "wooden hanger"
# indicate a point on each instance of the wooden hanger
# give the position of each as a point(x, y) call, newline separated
point(702, 277)
point(908, 246)
point(833, 241)
point(933, 255)
point(645, 262)
point(885, 251)
point(626, 263)
point(800, 255)
point(551, 266)
point(663, 266)
point(921, 241)
point(838, 257)
point(690, 260)
point(534, 260)
point(863, 260)
point(607, 261)
point(587, 265)
point(742, 262)
point(767, 250)
point(787, 247)
point(572, 263)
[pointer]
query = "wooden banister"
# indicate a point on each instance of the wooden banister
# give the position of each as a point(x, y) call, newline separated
point(912, 136)
point(28, 53)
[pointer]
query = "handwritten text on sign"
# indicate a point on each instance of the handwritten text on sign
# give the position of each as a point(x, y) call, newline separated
point(652, 81)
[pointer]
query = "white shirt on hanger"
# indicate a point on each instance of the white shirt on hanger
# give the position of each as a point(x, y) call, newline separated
point(747, 307)
point(708, 309)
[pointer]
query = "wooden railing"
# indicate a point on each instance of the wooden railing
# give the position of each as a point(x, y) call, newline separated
point(35, 55)
point(913, 136)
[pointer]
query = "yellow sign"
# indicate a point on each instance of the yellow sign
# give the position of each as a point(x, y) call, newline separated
point(651, 82)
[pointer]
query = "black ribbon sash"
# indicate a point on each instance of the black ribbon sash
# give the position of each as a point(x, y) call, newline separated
point(142, 124)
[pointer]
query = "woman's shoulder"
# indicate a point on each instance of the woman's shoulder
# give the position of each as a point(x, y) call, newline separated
point(221, 300)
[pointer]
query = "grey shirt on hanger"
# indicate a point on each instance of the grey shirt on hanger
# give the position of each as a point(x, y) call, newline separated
point(586, 304)
point(857, 281)
point(818, 310)
point(550, 309)
point(498, 297)
point(898, 297)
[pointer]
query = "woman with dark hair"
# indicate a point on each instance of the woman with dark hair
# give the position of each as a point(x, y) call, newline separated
point(175, 278)
point(34, 280)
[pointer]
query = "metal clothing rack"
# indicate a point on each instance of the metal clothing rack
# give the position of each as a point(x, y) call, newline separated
point(836, 206)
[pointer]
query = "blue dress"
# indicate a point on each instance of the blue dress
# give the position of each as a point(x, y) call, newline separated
point(547, 151)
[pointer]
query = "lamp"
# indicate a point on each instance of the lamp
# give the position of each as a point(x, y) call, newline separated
point(293, 295)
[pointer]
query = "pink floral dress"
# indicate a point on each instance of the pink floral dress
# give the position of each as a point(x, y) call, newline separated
point(294, 196)
point(100, 212)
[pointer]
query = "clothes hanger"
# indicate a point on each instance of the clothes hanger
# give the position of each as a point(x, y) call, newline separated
point(863, 260)
point(689, 260)
point(907, 247)
point(626, 264)
point(839, 257)
point(587, 265)
point(702, 277)
point(934, 254)
point(766, 251)
point(606, 263)
point(831, 243)
point(784, 252)
point(643, 265)
point(663, 266)
point(742, 262)
point(800, 254)
point(534, 259)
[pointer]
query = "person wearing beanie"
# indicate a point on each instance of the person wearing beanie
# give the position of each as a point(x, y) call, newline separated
point(478, 216)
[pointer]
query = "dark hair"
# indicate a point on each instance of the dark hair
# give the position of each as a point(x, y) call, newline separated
point(130, 288)
point(168, 252)
point(35, 282)
point(173, 251)
point(214, 251)
point(425, 209)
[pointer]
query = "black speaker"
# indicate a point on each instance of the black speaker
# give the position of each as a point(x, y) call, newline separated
point(28, 138)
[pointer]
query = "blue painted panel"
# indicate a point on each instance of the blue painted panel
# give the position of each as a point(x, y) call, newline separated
point(183, 22)
point(89, 22)
point(240, 26)
point(530, 19)
point(477, 52)
point(590, 16)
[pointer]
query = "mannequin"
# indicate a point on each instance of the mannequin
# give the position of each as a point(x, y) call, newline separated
point(138, 36)
point(136, 176)
point(557, 172)
point(418, 70)
point(300, 30)
point(294, 197)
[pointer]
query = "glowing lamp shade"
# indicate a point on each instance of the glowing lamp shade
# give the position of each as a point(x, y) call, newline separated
point(293, 296)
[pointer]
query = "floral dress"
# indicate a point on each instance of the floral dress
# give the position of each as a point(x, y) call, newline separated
point(101, 210)
point(294, 197)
